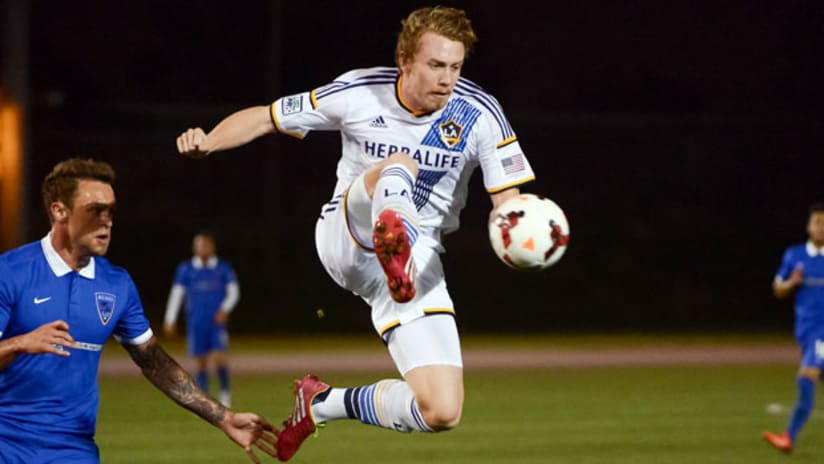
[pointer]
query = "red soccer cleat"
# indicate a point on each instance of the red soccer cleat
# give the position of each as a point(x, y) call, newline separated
point(780, 441)
point(300, 424)
point(395, 255)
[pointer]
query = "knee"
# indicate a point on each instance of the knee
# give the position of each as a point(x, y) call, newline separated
point(441, 416)
point(404, 160)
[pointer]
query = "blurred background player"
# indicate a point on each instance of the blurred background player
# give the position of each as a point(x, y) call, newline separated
point(60, 300)
point(412, 135)
point(802, 273)
point(211, 292)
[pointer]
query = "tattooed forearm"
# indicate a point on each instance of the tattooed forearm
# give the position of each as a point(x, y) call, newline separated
point(167, 375)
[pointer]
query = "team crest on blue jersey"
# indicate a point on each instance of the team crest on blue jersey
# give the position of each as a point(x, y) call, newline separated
point(105, 306)
point(450, 132)
point(292, 104)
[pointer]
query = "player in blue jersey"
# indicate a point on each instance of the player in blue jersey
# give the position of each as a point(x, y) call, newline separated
point(411, 136)
point(210, 288)
point(802, 274)
point(60, 300)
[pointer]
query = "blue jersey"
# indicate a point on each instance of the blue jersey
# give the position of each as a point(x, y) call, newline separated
point(45, 398)
point(206, 288)
point(809, 296)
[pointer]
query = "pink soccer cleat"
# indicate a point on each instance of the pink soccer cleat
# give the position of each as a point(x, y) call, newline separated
point(300, 424)
point(780, 441)
point(395, 255)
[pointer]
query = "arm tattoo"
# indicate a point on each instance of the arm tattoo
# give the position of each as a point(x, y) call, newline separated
point(167, 375)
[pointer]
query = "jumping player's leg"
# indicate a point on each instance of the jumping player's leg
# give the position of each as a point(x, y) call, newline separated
point(427, 353)
point(429, 400)
point(394, 180)
point(390, 184)
point(424, 345)
point(439, 393)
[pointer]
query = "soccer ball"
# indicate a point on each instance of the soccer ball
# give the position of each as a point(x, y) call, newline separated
point(529, 232)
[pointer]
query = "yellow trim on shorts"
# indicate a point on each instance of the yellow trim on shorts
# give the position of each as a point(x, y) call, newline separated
point(432, 311)
point(389, 327)
point(426, 312)
point(513, 184)
point(274, 116)
point(507, 142)
point(313, 99)
point(349, 229)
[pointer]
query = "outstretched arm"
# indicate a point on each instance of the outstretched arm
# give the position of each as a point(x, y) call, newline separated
point(165, 373)
point(237, 129)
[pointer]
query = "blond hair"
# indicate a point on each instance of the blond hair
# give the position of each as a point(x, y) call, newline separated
point(448, 22)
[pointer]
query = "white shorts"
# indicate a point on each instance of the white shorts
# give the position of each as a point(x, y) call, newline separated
point(424, 342)
point(343, 237)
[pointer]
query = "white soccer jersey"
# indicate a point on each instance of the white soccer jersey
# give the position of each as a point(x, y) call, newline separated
point(366, 107)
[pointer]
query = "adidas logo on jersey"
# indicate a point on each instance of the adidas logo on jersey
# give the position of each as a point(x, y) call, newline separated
point(378, 122)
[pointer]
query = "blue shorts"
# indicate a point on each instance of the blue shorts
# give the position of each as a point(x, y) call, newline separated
point(812, 352)
point(203, 338)
point(14, 451)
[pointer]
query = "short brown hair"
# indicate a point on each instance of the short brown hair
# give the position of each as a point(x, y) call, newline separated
point(61, 183)
point(448, 22)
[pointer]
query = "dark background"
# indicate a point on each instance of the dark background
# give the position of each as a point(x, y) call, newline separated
point(683, 139)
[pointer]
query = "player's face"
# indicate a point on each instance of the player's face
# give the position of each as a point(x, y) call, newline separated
point(90, 218)
point(430, 75)
point(816, 228)
point(203, 247)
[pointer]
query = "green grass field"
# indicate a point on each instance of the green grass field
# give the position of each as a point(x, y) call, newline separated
point(689, 415)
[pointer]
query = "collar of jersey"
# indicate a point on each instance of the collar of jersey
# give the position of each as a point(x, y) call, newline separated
point(56, 263)
point(211, 263)
point(813, 251)
point(404, 105)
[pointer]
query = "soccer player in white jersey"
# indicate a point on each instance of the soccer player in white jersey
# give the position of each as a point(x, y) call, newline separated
point(60, 300)
point(411, 137)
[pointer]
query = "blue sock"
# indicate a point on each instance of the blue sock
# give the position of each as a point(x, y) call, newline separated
point(202, 378)
point(223, 377)
point(803, 407)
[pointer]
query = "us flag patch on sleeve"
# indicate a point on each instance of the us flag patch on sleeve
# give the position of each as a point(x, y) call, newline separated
point(513, 164)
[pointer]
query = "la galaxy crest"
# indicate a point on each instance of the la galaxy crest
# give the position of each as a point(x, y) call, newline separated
point(105, 306)
point(450, 132)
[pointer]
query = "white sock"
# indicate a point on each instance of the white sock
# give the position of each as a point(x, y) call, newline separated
point(388, 403)
point(330, 408)
point(394, 190)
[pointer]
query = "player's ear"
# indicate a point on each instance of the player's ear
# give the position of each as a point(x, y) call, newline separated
point(59, 211)
point(405, 62)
